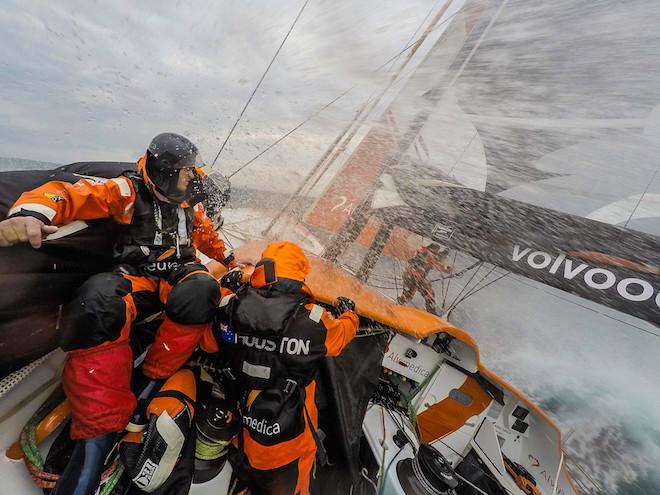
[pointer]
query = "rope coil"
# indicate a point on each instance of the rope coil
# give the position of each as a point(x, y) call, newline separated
point(34, 461)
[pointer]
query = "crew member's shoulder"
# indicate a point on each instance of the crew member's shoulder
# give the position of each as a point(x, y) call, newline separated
point(314, 311)
point(135, 178)
point(139, 185)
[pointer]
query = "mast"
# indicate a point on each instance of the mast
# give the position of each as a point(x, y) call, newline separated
point(362, 213)
point(365, 163)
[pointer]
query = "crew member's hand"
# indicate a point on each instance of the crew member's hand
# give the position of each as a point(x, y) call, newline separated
point(232, 280)
point(344, 304)
point(24, 229)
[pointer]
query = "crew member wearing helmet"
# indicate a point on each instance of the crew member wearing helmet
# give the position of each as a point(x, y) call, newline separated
point(414, 276)
point(162, 224)
point(274, 336)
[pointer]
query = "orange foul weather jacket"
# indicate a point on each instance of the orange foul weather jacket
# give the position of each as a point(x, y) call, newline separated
point(59, 203)
point(157, 270)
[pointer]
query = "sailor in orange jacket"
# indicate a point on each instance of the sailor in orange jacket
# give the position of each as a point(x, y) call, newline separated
point(162, 225)
point(414, 275)
point(274, 336)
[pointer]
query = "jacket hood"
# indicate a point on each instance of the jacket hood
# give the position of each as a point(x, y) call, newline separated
point(289, 259)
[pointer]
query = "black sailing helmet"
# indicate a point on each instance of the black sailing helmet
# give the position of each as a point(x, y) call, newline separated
point(167, 154)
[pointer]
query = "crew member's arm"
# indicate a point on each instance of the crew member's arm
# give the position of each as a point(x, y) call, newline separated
point(208, 241)
point(211, 337)
point(58, 203)
point(340, 330)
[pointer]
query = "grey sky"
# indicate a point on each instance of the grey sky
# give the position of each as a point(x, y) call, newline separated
point(86, 80)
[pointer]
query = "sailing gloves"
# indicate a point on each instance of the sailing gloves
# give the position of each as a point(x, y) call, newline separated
point(344, 304)
point(232, 280)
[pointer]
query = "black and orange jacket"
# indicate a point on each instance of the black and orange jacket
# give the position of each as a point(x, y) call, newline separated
point(274, 336)
point(274, 339)
point(273, 330)
point(150, 228)
point(278, 333)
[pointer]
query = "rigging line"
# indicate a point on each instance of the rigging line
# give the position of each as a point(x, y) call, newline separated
point(460, 293)
point(363, 113)
point(243, 224)
point(371, 101)
point(474, 487)
point(272, 145)
point(445, 291)
point(458, 299)
point(382, 287)
point(399, 422)
point(519, 280)
point(226, 239)
point(450, 173)
point(474, 291)
point(572, 463)
point(396, 282)
point(471, 291)
point(245, 220)
point(449, 18)
point(481, 39)
point(476, 288)
point(243, 236)
point(648, 186)
point(382, 278)
point(259, 83)
point(412, 36)
point(457, 274)
point(233, 230)
point(445, 285)
point(319, 170)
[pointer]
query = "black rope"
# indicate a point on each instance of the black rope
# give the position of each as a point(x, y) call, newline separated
point(475, 290)
point(457, 274)
point(458, 298)
point(259, 83)
point(460, 293)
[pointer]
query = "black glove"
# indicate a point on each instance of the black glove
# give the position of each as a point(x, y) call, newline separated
point(344, 304)
point(232, 280)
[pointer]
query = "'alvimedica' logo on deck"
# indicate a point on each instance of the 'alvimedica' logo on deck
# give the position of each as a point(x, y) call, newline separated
point(631, 289)
point(417, 369)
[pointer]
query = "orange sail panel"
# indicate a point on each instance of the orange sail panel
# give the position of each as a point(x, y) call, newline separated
point(349, 187)
point(448, 415)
